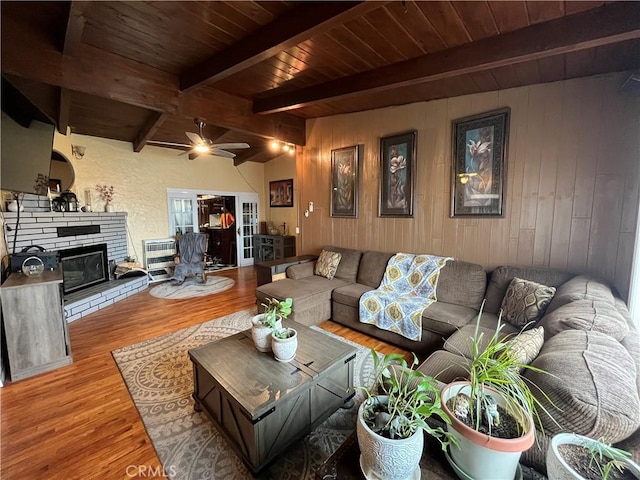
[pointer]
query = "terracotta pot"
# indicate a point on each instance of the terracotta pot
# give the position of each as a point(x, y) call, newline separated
point(480, 456)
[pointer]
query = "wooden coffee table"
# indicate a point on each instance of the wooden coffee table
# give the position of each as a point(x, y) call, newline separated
point(263, 406)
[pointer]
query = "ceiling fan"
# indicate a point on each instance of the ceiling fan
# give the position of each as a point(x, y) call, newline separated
point(202, 145)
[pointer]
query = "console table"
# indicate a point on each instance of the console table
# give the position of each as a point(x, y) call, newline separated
point(35, 327)
point(268, 272)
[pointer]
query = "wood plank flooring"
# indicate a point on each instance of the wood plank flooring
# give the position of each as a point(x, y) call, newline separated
point(79, 422)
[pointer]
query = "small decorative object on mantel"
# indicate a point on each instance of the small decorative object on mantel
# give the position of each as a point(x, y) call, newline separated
point(106, 192)
point(16, 204)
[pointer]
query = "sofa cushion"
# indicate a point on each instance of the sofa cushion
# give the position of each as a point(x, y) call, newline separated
point(445, 366)
point(581, 287)
point(350, 294)
point(524, 347)
point(327, 264)
point(348, 267)
point(462, 283)
point(305, 292)
point(501, 278)
point(587, 315)
point(444, 318)
point(592, 384)
point(372, 268)
point(525, 301)
point(301, 270)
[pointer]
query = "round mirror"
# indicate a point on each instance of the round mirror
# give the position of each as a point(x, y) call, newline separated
point(61, 173)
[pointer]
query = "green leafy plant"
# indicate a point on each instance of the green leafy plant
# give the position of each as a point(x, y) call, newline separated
point(605, 458)
point(495, 366)
point(413, 398)
point(284, 333)
point(274, 308)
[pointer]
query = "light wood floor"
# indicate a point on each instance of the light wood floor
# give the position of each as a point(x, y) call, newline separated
point(79, 421)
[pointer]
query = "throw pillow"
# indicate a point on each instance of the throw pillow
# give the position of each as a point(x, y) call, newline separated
point(525, 301)
point(524, 348)
point(327, 264)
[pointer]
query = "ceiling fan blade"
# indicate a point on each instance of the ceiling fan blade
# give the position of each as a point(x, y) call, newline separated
point(229, 146)
point(167, 144)
point(195, 138)
point(222, 153)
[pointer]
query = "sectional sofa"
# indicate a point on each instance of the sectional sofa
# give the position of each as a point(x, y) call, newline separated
point(591, 348)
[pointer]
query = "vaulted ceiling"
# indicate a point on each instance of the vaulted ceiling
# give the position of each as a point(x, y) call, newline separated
point(255, 70)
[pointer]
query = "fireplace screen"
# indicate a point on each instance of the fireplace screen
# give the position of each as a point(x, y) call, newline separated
point(83, 267)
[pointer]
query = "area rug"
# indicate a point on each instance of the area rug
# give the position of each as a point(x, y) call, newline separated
point(192, 288)
point(158, 374)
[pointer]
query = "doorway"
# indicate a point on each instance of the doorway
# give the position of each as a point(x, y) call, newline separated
point(230, 220)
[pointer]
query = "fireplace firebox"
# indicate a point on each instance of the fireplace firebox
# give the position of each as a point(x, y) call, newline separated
point(84, 267)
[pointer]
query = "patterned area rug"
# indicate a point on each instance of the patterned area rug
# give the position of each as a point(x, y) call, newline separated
point(192, 288)
point(158, 374)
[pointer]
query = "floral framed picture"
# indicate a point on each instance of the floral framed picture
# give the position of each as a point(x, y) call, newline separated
point(480, 144)
point(345, 179)
point(397, 175)
point(281, 193)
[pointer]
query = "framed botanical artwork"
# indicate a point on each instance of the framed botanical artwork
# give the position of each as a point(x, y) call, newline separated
point(480, 146)
point(345, 179)
point(281, 193)
point(397, 175)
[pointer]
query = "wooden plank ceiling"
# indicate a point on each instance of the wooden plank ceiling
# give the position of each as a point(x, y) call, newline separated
point(254, 71)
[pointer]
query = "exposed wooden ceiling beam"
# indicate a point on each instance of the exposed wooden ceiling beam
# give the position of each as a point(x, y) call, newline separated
point(299, 24)
point(64, 110)
point(246, 156)
point(605, 25)
point(151, 126)
point(98, 72)
point(75, 27)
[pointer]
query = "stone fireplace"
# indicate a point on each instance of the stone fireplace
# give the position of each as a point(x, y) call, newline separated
point(77, 237)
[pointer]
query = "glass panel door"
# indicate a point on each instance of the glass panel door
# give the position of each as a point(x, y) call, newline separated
point(247, 227)
point(183, 213)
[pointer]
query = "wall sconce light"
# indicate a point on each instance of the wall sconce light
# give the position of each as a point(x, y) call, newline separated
point(309, 209)
point(78, 151)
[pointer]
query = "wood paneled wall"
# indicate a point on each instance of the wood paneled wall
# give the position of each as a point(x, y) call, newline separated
point(572, 180)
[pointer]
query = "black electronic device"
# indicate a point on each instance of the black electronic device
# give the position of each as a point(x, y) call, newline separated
point(49, 259)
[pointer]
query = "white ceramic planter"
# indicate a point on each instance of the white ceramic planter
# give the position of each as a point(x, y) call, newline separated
point(384, 458)
point(284, 349)
point(558, 469)
point(261, 334)
point(480, 456)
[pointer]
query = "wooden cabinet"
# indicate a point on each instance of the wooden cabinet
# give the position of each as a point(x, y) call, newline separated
point(273, 247)
point(35, 327)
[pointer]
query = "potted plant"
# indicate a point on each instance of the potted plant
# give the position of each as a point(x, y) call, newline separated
point(284, 343)
point(575, 457)
point(264, 323)
point(492, 411)
point(392, 418)
point(106, 192)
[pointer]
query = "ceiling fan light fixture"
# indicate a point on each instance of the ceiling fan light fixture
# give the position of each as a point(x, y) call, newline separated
point(201, 148)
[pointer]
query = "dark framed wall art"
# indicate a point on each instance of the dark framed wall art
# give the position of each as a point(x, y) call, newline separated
point(480, 145)
point(281, 193)
point(345, 180)
point(397, 175)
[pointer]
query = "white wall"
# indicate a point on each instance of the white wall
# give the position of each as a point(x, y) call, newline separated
point(141, 180)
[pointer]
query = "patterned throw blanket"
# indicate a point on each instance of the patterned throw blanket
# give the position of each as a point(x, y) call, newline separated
point(408, 287)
